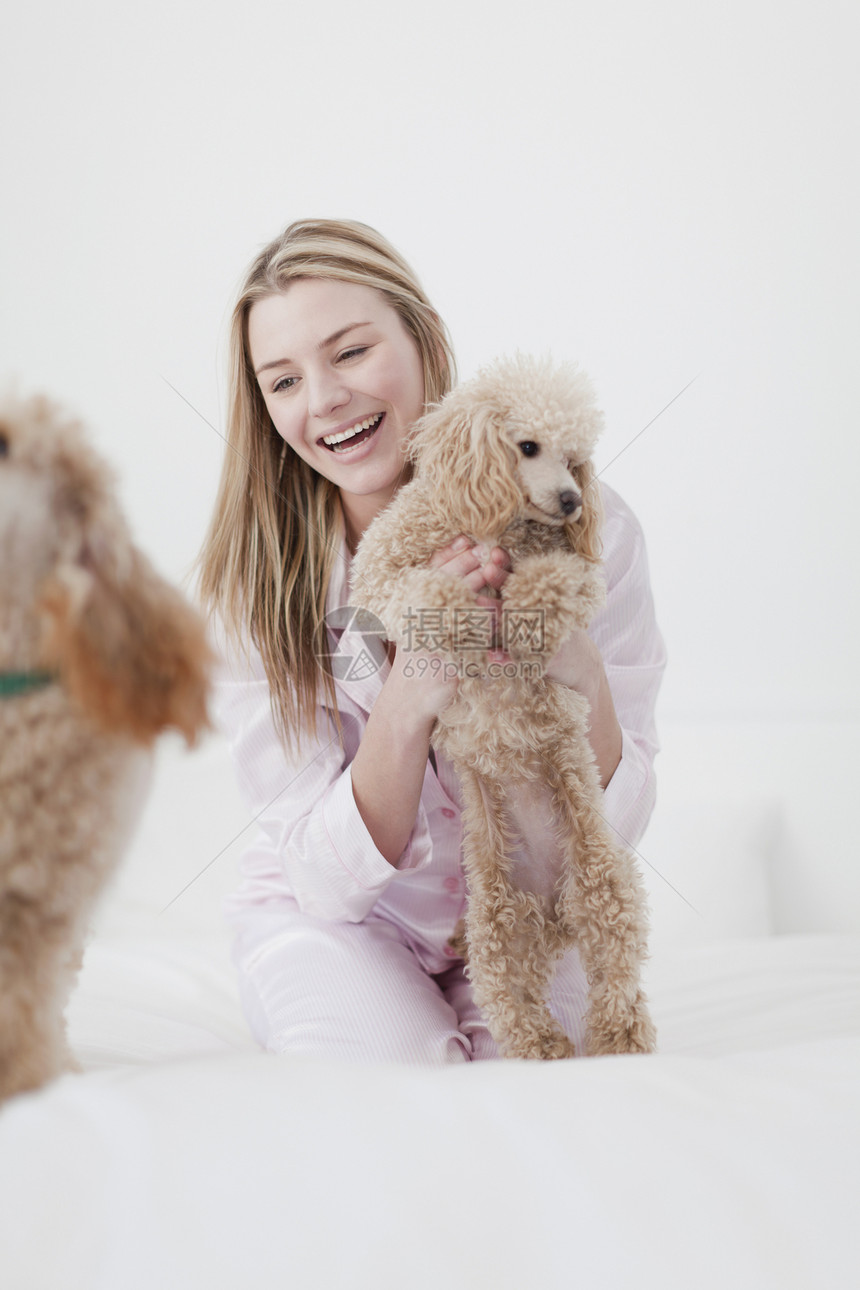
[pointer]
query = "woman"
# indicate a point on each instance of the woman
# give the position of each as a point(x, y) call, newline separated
point(354, 885)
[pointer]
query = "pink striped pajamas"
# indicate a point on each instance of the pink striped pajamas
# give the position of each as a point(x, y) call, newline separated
point(340, 954)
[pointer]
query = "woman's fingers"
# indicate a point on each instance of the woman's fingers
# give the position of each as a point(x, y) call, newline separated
point(460, 560)
point(458, 554)
point(474, 563)
point(497, 568)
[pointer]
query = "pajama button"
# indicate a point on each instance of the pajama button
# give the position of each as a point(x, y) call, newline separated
point(448, 813)
point(452, 884)
point(450, 952)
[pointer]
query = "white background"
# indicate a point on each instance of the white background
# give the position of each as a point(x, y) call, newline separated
point(663, 192)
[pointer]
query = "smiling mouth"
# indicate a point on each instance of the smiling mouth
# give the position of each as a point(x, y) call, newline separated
point(359, 433)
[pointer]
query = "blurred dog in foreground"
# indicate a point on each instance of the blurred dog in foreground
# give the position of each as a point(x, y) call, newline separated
point(98, 656)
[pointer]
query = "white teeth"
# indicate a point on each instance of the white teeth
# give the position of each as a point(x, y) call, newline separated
point(331, 439)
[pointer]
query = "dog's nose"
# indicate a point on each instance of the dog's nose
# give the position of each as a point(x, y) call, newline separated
point(569, 501)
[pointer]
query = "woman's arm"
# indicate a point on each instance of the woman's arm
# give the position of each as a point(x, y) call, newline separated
point(310, 839)
point(335, 819)
point(625, 634)
point(388, 770)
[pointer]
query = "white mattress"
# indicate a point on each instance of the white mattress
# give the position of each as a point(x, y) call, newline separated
point(182, 1157)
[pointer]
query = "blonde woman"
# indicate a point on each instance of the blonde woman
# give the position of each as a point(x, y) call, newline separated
point(354, 884)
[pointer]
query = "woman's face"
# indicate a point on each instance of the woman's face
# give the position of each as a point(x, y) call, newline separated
point(343, 382)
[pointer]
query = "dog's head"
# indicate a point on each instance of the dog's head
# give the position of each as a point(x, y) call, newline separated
point(515, 442)
point(78, 596)
point(56, 510)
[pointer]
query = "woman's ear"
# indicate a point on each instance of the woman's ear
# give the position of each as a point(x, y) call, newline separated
point(129, 647)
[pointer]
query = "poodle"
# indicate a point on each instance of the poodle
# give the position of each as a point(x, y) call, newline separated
point(98, 655)
point(505, 459)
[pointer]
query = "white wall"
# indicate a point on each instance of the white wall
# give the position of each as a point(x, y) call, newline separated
point(663, 191)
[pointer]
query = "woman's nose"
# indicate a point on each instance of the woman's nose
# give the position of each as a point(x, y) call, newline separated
point(326, 393)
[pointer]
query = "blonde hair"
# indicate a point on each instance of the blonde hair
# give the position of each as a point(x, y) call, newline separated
point(277, 526)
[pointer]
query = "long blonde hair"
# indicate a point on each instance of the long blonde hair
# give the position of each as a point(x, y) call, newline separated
point(276, 529)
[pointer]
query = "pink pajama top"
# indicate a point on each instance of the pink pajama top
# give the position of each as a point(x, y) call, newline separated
point(312, 846)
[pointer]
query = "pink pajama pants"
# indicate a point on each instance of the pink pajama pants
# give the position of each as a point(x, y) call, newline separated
point(357, 992)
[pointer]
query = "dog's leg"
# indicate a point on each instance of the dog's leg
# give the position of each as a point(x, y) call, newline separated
point(49, 890)
point(512, 947)
point(544, 599)
point(602, 910)
point(33, 1044)
point(422, 610)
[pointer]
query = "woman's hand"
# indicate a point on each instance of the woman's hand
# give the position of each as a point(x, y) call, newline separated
point(426, 682)
point(480, 567)
point(420, 685)
point(576, 662)
point(483, 569)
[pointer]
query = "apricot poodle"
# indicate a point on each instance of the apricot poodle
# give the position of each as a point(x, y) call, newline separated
point(505, 459)
point(98, 655)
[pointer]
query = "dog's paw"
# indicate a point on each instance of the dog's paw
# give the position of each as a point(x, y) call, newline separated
point(428, 610)
point(543, 600)
point(556, 1048)
point(630, 1030)
point(548, 1046)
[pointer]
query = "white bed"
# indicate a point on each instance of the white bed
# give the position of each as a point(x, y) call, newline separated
point(183, 1157)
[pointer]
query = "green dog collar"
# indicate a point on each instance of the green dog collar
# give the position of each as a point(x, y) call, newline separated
point(14, 683)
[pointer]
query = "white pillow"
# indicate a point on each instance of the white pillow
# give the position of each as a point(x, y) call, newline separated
point(706, 867)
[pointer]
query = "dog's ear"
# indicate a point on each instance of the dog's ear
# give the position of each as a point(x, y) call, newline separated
point(585, 534)
point(129, 647)
point(462, 450)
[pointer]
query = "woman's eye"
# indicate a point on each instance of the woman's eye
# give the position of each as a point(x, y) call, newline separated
point(353, 353)
point(529, 449)
point(285, 383)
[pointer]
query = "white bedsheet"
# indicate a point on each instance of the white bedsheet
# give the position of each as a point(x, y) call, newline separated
point(182, 1157)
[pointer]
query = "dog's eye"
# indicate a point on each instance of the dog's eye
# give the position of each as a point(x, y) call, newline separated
point(528, 448)
point(4, 446)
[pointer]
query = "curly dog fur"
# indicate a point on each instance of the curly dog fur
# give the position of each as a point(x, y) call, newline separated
point(98, 655)
point(505, 459)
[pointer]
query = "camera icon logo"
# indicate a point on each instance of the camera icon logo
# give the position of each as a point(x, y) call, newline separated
point(359, 650)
